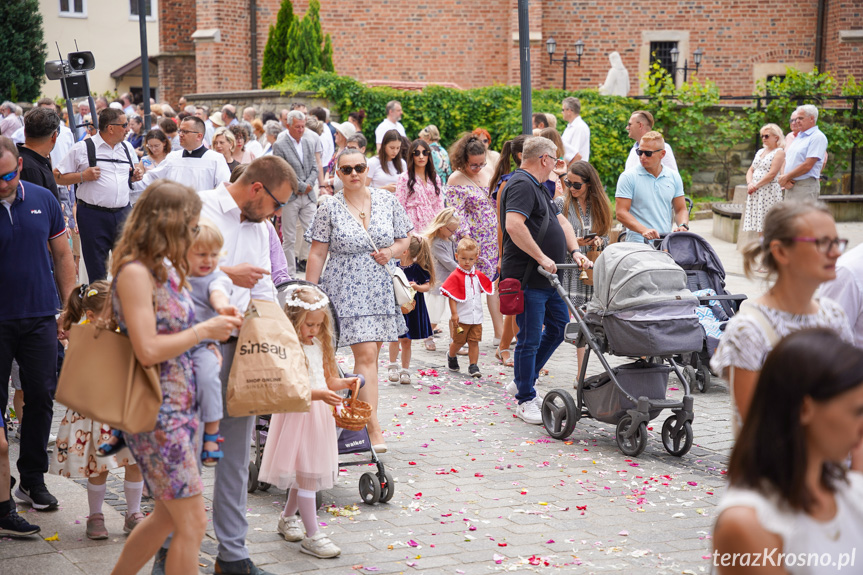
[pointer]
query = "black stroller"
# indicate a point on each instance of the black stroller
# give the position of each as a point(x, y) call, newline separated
point(705, 277)
point(377, 487)
point(640, 309)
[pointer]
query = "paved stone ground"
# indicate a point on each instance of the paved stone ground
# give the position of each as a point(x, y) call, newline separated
point(476, 489)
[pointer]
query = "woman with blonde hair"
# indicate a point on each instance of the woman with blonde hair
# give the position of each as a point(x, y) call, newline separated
point(152, 305)
point(224, 142)
point(762, 179)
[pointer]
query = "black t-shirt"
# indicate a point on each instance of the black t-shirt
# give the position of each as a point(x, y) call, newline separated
point(37, 170)
point(524, 195)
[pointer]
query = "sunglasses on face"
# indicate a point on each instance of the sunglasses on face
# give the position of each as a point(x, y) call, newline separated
point(575, 185)
point(8, 177)
point(123, 125)
point(348, 170)
point(647, 153)
point(421, 152)
point(765, 136)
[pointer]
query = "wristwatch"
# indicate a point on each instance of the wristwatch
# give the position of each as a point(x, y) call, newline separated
point(683, 225)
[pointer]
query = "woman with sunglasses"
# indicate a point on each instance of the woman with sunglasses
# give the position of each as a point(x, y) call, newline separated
point(799, 247)
point(762, 179)
point(387, 166)
point(586, 207)
point(419, 189)
point(467, 191)
point(356, 280)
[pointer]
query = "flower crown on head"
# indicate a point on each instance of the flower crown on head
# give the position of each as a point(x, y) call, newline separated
point(294, 301)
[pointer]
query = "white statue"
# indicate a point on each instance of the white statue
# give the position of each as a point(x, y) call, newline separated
point(617, 81)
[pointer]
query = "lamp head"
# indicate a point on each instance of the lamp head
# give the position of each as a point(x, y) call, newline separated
point(675, 54)
point(551, 46)
point(579, 48)
point(698, 55)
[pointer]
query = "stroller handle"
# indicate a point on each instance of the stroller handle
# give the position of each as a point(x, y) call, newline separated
point(548, 276)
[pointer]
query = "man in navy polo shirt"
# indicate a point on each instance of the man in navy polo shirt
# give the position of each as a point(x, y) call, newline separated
point(32, 234)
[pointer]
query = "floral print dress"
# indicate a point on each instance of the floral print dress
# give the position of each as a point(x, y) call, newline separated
point(478, 213)
point(423, 204)
point(359, 287)
point(168, 456)
point(759, 202)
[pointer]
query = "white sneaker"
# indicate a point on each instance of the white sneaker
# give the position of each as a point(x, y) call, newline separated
point(512, 388)
point(530, 411)
point(52, 439)
point(393, 372)
point(495, 342)
point(320, 546)
point(290, 528)
point(404, 377)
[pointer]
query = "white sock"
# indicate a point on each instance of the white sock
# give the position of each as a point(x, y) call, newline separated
point(134, 490)
point(96, 496)
point(307, 503)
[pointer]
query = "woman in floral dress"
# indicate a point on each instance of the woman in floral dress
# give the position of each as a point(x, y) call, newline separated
point(153, 307)
point(419, 189)
point(467, 191)
point(762, 179)
point(345, 227)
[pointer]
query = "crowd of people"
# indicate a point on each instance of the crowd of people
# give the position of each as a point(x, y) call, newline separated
point(181, 226)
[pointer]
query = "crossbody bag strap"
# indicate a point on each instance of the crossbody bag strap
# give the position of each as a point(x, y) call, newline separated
point(753, 311)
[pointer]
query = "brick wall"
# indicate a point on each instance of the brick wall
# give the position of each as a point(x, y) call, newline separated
point(176, 49)
point(843, 58)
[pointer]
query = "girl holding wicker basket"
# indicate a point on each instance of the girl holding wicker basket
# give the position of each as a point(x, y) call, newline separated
point(301, 452)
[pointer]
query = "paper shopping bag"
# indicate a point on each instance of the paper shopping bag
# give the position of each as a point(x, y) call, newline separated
point(269, 374)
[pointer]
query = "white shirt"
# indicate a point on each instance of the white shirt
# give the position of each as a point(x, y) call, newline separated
point(385, 127)
point(298, 146)
point(204, 173)
point(667, 160)
point(254, 148)
point(245, 242)
point(847, 290)
point(328, 146)
point(111, 190)
point(380, 178)
point(65, 141)
point(470, 310)
point(576, 140)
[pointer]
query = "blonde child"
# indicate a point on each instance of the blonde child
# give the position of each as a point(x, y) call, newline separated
point(465, 287)
point(87, 448)
point(416, 262)
point(441, 237)
point(210, 289)
point(301, 453)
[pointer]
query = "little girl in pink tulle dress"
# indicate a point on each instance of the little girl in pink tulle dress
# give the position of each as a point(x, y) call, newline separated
point(301, 452)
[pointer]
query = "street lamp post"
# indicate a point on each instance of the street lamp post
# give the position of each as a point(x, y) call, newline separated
point(551, 46)
point(675, 55)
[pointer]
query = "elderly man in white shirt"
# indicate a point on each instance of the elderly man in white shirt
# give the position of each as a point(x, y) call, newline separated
point(640, 123)
point(576, 136)
point(193, 165)
point(391, 122)
point(105, 180)
point(240, 211)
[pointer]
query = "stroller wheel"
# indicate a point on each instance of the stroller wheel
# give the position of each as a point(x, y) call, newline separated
point(559, 414)
point(253, 478)
point(634, 444)
point(388, 488)
point(263, 486)
point(691, 376)
point(676, 439)
point(703, 378)
point(370, 488)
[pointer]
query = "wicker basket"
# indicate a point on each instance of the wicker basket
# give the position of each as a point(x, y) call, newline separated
point(355, 413)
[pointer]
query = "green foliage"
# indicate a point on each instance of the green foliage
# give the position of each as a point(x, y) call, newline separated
point(23, 50)
point(295, 46)
point(275, 53)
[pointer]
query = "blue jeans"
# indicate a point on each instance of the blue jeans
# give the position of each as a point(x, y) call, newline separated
point(540, 332)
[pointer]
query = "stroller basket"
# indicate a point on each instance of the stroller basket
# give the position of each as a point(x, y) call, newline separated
point(606, 403)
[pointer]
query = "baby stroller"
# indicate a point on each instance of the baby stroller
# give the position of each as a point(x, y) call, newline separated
point(375, 487)
point(640, 309)
point(705, 278)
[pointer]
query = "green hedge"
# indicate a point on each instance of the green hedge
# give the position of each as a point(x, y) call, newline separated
point(701, 132)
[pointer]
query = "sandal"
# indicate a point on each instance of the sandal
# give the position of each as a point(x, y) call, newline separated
point(543, 371)
point(430, 345)
point(108, 448)
point(210, 458)
point(504, 356)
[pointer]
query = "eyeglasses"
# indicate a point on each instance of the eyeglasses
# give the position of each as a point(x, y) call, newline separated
point(576, 185)
point(476, 166)
point(648, 153)
point(8, 177)
point(542, 157)
point(825, 244)
point(124, 125)
point(348, 170)
point(275, 199)
point(765, 136)
point(184, 132)
point(421, 152)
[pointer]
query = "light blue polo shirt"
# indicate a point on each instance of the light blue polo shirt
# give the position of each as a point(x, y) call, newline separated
point(651, 198)
point(809, 144)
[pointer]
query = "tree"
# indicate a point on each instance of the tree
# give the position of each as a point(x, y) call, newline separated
point(275, 53)
point(22, 65)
